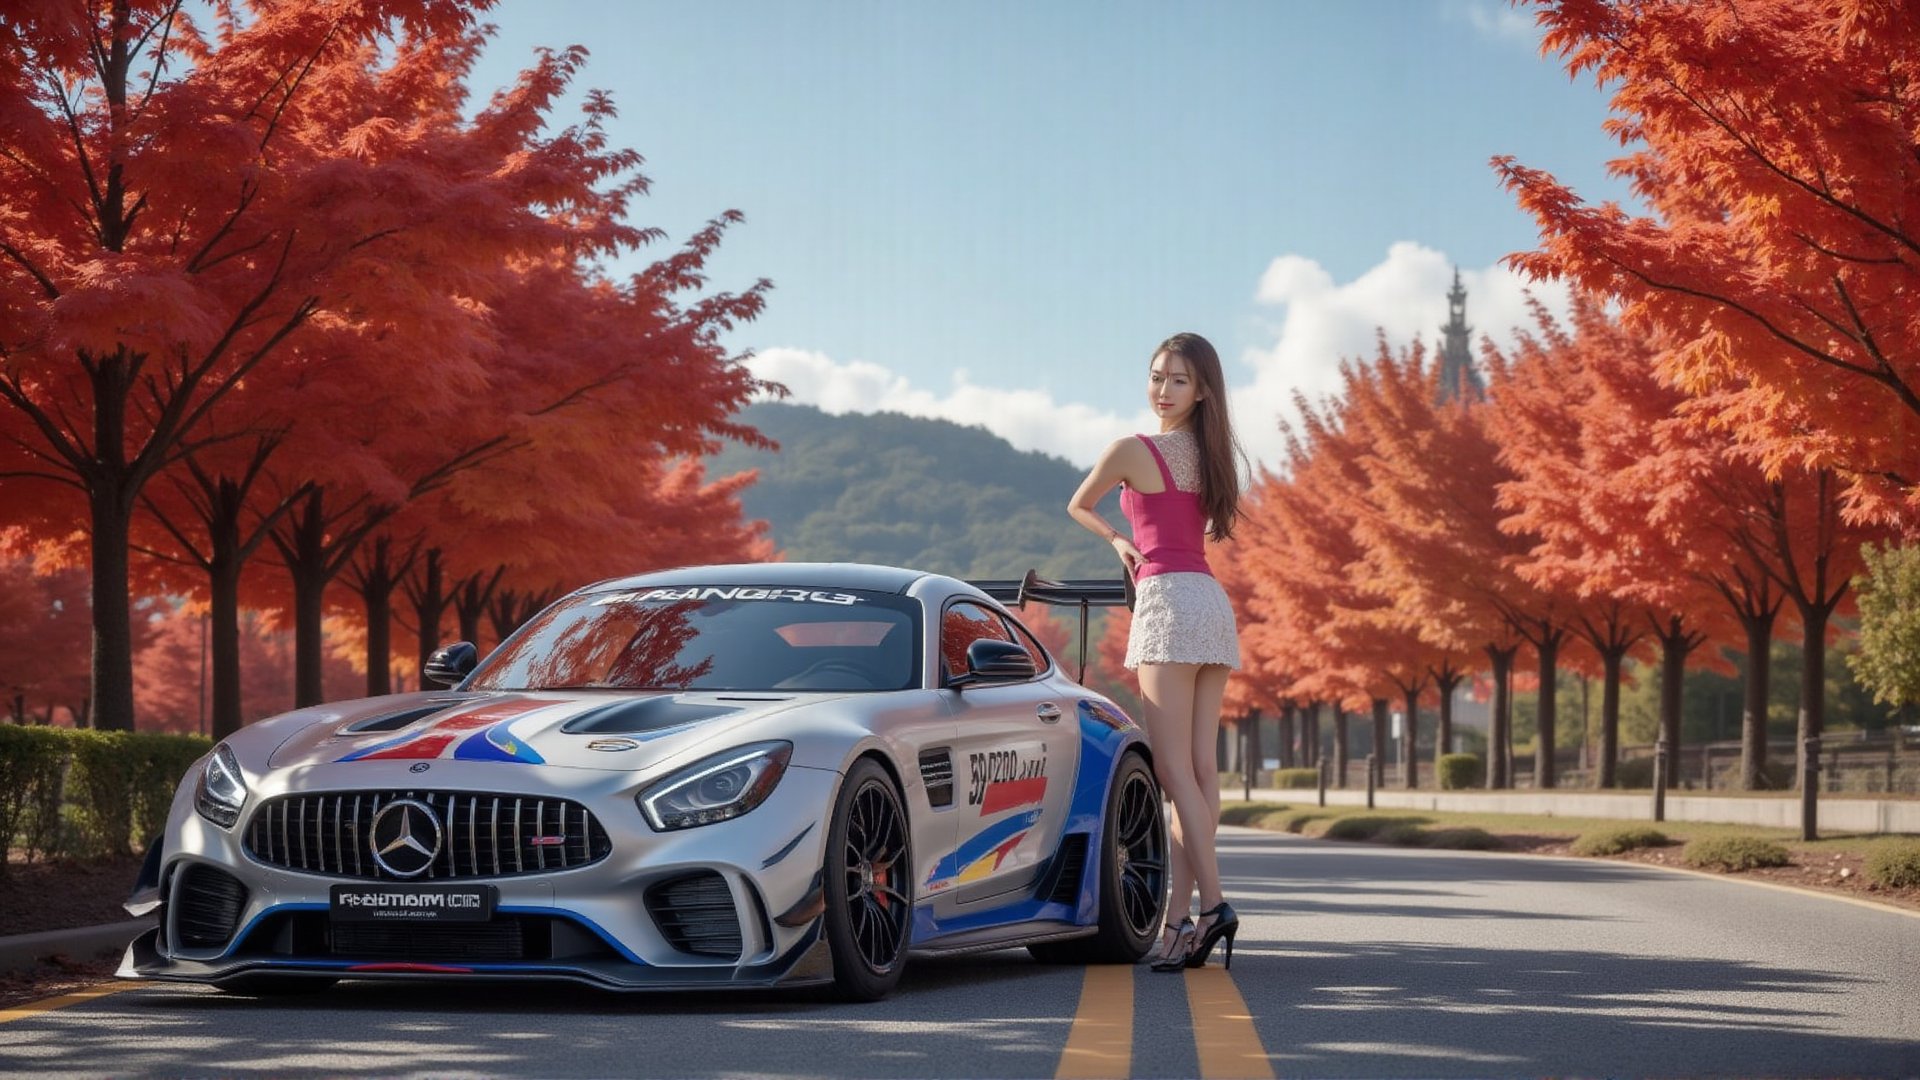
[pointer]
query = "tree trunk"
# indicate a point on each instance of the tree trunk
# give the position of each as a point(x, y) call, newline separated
point(1673, 671)
point(1255, 759)
point(1498, 749)
point(1381, 707)
point(1813, 679)
point(223, 644)
point(306, 559)
point(1340, 745)
point(1609, 719)
point(1543, 765)
point(1410, 741)
point(112, 653)
point(1753, 706)
point(430, 606)
point(1443, 728)
point(376, 584)
point(1310, 735)
point(1287, 713)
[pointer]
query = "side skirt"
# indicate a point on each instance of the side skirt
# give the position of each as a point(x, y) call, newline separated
point(988, 940)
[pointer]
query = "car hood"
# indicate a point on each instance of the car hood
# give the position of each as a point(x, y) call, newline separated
point(596, 730)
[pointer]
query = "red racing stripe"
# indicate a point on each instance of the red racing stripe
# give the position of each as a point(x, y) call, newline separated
point(1007, 794)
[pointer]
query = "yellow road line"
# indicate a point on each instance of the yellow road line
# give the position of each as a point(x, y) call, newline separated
point(45, 1005)
point(1101, 1040)
point(1223, 1027)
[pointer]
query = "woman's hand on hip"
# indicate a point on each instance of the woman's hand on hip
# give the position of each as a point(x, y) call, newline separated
point(1129, 554)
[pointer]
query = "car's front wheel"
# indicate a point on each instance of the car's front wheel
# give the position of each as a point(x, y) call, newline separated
point(1133, 874)
point(869, 884)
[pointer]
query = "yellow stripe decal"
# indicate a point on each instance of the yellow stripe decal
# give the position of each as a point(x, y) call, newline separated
point(46, 1005)
point(1101, 1041)
point(1222, 1027)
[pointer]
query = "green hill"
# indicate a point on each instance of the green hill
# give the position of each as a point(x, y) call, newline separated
point(928, 494)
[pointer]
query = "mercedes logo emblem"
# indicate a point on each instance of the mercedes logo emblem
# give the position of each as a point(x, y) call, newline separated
point(419, 766)
point(405, 838)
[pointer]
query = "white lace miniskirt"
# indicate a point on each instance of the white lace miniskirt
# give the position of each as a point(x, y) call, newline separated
point(1182, 618)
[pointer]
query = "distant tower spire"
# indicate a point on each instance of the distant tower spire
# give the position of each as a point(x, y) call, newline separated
point(1457, 373)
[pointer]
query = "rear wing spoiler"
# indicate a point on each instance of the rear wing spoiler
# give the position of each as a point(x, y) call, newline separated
point(1084, 593)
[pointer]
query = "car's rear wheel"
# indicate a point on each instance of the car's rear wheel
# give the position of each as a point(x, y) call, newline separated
point(1133, 874)
point(869, 884)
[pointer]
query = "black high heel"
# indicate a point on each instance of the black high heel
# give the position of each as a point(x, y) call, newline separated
point(1225, 925)
point(1175, 958)
point(1182, 941)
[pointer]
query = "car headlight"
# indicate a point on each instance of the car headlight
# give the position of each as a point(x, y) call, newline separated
point(220, 791)
point(717, 788)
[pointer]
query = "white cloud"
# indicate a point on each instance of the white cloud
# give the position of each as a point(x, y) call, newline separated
point(1323, 322)
point(1496, 19)
point(1029, 419)
point(1320, 322)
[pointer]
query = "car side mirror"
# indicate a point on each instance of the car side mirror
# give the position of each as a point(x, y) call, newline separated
point(993, 661)
point(451, 664)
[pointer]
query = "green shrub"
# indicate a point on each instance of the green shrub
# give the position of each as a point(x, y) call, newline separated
point(1405, 834)
point(1297, 779)
point(33, 771)
point(1459, 771)
point(1247, 813)
point(1634, 773)
point(1466, 838)
point(1368, 828)
point(1733, 853)
point(1616, 840)
point(1894, 864)
point(120, 783)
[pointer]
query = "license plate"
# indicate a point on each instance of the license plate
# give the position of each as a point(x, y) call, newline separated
point(412, 903)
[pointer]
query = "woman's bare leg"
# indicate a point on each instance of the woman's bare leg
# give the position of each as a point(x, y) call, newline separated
point(1209, 690)
point(1169, 691)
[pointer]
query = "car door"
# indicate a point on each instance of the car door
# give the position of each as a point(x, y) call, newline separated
point(1016, 748)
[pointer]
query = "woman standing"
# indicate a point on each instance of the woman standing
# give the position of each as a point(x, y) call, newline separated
point(1181, 485)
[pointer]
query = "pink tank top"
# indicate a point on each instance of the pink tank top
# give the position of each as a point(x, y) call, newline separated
point(1169, 526)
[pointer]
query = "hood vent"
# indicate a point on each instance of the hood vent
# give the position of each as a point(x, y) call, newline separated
point(936, 772)
point(396, 721)
point(640, 717)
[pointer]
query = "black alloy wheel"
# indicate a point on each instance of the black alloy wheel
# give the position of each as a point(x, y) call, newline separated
point(869, 884)
point(1133, 874)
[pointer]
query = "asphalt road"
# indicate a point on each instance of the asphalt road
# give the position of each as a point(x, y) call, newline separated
point(1353, 961)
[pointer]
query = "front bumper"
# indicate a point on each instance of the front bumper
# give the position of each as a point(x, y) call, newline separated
point(732, 904)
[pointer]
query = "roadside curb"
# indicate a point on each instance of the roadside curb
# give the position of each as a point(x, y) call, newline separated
point(20, 951)
point(1736, 879)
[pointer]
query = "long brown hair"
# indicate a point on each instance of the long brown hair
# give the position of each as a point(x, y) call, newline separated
point(1220, 453)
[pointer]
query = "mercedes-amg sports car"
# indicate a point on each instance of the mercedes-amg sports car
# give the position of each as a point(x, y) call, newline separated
point(756, 775)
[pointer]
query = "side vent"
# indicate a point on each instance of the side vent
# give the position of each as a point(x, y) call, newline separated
point(936, 772)
point(695, 914)
point(1061, 885)
point(210, 901)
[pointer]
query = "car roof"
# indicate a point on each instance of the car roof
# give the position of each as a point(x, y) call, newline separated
point(862, 576)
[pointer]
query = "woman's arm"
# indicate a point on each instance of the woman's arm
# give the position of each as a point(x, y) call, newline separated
point(1118, 463)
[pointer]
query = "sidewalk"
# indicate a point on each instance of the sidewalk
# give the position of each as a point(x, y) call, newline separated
point(1837, 813)
point(18, 951)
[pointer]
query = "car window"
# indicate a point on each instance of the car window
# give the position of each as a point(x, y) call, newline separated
point(1040, 659)
point(713, 638)
point(962, 625)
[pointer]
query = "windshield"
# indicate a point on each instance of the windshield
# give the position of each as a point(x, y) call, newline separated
point(712, 638)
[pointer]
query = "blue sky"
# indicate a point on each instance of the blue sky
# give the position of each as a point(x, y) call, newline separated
point(993, 211)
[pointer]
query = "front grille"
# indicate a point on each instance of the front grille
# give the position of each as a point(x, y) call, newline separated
point(695, 914)
point(453, 943)
point(482, 834)
point(210, 901)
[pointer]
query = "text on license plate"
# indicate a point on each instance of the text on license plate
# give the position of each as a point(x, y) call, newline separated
point(412, 903)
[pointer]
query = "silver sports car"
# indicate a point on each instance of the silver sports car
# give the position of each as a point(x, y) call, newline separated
point(756, 775)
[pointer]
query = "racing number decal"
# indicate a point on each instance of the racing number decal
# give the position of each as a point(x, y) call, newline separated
point(1002, 781)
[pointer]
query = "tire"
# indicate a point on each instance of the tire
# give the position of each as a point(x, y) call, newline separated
point(869, 885)
point(1133, 874)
